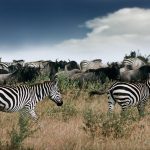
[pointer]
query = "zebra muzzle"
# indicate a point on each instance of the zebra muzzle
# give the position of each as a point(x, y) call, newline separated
point(59, 103)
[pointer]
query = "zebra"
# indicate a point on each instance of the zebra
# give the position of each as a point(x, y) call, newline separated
point(23, 98)
point(35, 64)
point(5, 67)
point(94, 64)
point(129, 94)
point(133, 63)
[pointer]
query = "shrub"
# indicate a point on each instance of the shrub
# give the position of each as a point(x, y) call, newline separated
point(66, 112)
point(113, 125)
point(18, 136)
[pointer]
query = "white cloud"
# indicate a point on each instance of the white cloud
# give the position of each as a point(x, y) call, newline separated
point(110, 38)
point(126, 21)
point(114, 35)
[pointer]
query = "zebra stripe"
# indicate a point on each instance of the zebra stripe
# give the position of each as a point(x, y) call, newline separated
point(94, 64)
point(133, 63)
point(4, 66)
point(84, 65)
point(14, 99)
point(36, 64)
point(129, 94)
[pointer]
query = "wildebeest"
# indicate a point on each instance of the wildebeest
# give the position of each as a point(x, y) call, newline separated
point(50, 68)
point(71, 65)
point(84, 78)
point(3, 71)
point(136, 75)
point(20, 62)
point(98, 75)
point(23, 74)
point(4, 78)
point(26, 74)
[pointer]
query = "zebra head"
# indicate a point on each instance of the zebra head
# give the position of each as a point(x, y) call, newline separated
point(55, 94)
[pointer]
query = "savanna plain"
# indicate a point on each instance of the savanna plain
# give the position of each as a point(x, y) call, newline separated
point(82, 123)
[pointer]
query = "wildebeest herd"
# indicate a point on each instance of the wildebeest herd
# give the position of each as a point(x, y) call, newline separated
point(131, 89)
point(131, 69)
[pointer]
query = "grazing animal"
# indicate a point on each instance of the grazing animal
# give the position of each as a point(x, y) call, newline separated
point(24, 97)
point(84, 78)
point(4, 78)
point(135, 75)
point(94, 64)
point(97, 75)
point(129, 94)
point(112, 72)
point(4, 68)
point(133, 63)
point(18, 62)
point(71, 65)
point(24, 74)
point(61, 64)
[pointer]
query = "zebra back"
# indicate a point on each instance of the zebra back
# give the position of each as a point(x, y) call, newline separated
point(133, 63)
point(128, 94)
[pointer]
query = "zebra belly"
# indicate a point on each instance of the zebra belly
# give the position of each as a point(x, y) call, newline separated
point(4, 108)
point(125, 100)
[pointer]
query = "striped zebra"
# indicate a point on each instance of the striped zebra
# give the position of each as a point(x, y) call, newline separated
point(35, 64)
point(94, 64)
point(133, 63)
point(4, 66)
point(129, 94)
point(24, 98)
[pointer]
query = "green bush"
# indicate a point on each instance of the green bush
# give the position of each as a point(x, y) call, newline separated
point(92, 122)
point(113, 125)
point(18, 136)
point(66, 84)
point(66, 112)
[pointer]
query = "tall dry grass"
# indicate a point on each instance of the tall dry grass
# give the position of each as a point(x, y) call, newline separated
point(66, 127)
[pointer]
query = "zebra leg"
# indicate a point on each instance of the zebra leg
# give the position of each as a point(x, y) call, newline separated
point(123, 110)
point(33, 115)
point(111, 104)
point(141, 107)
point(25, 112)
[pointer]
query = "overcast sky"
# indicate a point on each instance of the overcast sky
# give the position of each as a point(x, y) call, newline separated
point(73, 29)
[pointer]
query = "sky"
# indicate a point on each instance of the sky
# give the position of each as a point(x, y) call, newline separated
point(73, 29)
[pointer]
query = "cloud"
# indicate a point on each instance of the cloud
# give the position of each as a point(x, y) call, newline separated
point(127, 21)
point(110, 38)
point(113, 36)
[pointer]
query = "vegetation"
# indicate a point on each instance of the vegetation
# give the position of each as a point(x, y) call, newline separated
point(17, 136)
point(82, 123)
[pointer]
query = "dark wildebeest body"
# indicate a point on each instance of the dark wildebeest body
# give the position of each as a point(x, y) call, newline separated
point(4, 78)
point(136, 75)
point(98, 75)
point(23, 74)
point(71, 65)
point(111, 72)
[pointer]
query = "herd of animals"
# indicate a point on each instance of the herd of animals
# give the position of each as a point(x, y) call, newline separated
point(132, 86)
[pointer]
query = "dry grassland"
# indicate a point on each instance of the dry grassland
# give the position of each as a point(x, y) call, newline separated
point(65, 128)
